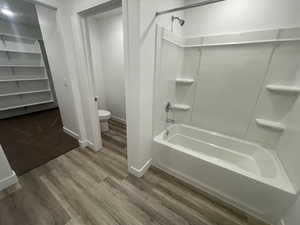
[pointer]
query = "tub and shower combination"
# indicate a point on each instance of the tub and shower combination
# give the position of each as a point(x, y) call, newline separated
point(207, 80)
point(239, 172)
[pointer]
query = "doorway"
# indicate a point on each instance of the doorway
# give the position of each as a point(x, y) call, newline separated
point(104, 45)
point(31, 129)
point(107, 50)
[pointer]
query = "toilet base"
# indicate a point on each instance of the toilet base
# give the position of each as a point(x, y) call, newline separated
point(104, 126)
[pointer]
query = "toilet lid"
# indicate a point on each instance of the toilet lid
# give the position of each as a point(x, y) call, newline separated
point(104, 115)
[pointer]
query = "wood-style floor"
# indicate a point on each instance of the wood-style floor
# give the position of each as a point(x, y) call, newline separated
point(87, 188)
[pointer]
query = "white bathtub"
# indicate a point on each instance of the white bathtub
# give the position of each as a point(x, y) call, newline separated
point(242, 173)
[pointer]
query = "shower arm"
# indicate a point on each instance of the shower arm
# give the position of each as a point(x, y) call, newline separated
point(206, 2)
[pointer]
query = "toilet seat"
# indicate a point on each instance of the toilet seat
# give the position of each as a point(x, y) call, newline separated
point(104, 115)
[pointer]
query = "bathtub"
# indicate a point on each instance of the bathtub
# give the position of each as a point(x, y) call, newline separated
point(241, 173)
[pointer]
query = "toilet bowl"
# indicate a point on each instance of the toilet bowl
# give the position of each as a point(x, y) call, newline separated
point(104, 116)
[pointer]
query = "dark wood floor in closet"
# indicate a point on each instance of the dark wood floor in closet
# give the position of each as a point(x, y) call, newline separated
point(34, 139)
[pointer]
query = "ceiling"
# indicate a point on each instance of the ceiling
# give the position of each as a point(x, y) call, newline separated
point(24, 12)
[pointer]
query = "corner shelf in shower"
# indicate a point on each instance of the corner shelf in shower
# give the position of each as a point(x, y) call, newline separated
point(271, 124)
point(283, 88)
point(184, 80)
point(181, 107)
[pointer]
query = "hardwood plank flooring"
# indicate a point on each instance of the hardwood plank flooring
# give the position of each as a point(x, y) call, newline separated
point(82, 187)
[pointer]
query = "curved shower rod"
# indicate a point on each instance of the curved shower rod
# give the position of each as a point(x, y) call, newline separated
point(202, 3)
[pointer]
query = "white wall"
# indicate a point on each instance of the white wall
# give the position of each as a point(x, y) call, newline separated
point(99, 85)
point(59, 70)
point(293, 217)
point(147, 58)
point(7, 175)
point(73, 81)
point(241, 15)
point(112, 74)
point(289, 152)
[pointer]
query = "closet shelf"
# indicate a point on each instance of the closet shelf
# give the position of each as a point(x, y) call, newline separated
point(21, 51)
point(24, 93)
point(271, 124)
point(26, 105)
point(283, 88)
point(23, 79)
point(18, 37)
point(184, 80)
point(181, 107)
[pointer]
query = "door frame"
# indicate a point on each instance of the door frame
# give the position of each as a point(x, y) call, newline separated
point(84, 60)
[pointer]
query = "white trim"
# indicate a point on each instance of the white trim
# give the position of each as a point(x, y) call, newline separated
point(53, 4)
point(113, 12)
point(8, 181)
point(219, 195)
point(140, 172)
point(281, 222)
point(71, 133)
point(88, 144)
point(83, 143)
point(131, 27)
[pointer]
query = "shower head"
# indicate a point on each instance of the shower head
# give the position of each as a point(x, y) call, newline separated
point(181, 21)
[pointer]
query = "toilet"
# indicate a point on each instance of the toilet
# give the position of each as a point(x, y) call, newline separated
point(104, 116)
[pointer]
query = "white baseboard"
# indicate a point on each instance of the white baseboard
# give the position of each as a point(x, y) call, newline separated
point(140, 172)
point(71, 133)
point(8, 181)
point(83, 143)
point(87, 144)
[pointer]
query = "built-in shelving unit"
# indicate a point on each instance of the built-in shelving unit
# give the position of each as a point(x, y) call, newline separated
point(24, 81)
point(181, 107)
point(283, 88)
point(25, 93)
point(4, 35)
point(271, 124)
point(28, 66)
point(19, 51)
point(26, 105)
point(184, 80)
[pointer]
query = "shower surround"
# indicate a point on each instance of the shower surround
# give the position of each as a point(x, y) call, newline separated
point(235, 88)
